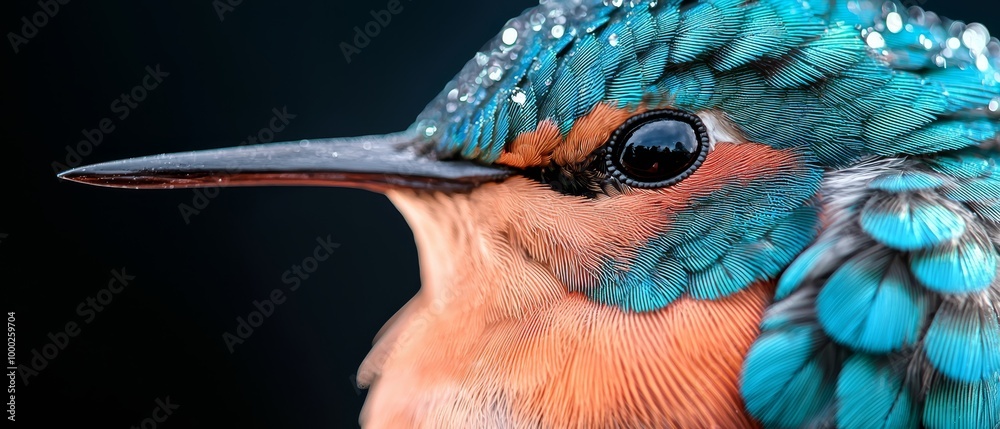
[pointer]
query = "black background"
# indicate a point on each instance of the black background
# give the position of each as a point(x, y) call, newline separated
point(162, 335)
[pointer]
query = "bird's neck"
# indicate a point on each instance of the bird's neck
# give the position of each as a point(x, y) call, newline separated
point(495, 335)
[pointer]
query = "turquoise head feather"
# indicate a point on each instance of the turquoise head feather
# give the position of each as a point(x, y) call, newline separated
point(843, 80)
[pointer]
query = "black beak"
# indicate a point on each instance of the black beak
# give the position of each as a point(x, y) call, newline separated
point(373, 162)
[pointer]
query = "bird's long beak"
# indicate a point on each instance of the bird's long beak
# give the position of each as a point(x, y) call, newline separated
point(375, 162)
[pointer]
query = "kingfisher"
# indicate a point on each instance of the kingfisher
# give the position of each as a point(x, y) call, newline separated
point(682, 213)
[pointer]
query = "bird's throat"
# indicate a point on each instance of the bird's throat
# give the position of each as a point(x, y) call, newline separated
point(495, 339)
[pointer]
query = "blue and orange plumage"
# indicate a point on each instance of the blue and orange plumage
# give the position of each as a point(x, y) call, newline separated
point(832, 263)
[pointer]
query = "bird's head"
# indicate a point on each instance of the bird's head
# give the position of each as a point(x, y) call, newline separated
point(634, 152)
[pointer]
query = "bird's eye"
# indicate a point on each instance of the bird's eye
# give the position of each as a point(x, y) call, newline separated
point(657, 148)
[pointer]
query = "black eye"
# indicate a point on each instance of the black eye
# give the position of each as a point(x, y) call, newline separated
point(656, 149)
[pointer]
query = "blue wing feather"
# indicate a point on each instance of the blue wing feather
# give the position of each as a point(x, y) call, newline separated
point(963, 342)
point(871, 394)
point(965, 267)
point(908, 221)
point(905, 277)
point(955, 405)
point(789, 373)
point(871, 304)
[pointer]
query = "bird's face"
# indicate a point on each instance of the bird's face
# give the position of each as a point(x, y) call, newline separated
point(589, 138)
point(636, 246)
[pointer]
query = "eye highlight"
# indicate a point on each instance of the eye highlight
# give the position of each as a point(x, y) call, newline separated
point(656, 149)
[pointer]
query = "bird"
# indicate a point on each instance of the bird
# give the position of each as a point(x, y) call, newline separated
point(682, 213)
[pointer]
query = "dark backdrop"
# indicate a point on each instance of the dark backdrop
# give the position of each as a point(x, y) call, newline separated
point(161, 337)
